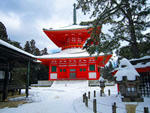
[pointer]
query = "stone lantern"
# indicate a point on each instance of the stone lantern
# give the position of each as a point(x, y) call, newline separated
point(128, 80)
point(102, 83)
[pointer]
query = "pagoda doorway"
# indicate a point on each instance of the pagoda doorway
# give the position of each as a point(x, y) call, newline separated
point(72, 74)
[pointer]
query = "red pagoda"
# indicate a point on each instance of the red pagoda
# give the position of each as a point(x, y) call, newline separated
point(72, 63)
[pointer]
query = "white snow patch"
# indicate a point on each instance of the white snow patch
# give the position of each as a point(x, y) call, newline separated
point(70, 83)
point(66, 97)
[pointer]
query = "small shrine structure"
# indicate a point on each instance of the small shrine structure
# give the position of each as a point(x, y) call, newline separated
point(128, 80)
point(142, 66)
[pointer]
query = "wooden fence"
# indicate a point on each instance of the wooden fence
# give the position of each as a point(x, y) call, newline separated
point(87, 98)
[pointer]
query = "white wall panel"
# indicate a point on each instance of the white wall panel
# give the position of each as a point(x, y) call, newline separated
point(92, 75)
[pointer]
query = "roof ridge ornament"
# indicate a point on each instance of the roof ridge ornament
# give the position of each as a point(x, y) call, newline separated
point(74, 15)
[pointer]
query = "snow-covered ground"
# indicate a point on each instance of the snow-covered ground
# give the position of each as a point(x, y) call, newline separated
point(66, 97)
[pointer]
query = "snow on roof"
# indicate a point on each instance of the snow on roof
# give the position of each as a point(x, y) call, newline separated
point(126, 69)
point(15, 48)
point(69, 27)
point(141, 65)
point(101, 79)
point(38, 61)
point(67, 53)
point(142, 58)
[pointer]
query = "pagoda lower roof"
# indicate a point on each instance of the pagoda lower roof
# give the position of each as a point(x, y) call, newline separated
point(68, 53)
point(74, 53)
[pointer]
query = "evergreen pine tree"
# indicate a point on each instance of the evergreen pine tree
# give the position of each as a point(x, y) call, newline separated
point(44, 51)
point(15, 43)
point(3, 32)
point(32, 46)
point(27, 47)
point(4, 36)
point(37, 52)
point(129, 18)
point(106, 72)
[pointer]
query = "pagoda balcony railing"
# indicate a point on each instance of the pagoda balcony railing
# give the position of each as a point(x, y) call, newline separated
point(72, 46)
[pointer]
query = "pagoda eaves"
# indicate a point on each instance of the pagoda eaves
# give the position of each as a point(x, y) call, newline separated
point(69, 37)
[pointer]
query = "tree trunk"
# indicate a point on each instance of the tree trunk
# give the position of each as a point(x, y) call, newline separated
point(135, 50)
point(134, 44)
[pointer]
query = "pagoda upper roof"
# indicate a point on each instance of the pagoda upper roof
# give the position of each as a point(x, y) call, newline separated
point(69, 36)
point(70, 27)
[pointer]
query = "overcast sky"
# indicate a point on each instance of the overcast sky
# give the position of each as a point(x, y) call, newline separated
point(25, 19)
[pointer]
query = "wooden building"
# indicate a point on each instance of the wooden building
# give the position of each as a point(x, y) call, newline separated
point(142, 66)
point(8, 56)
